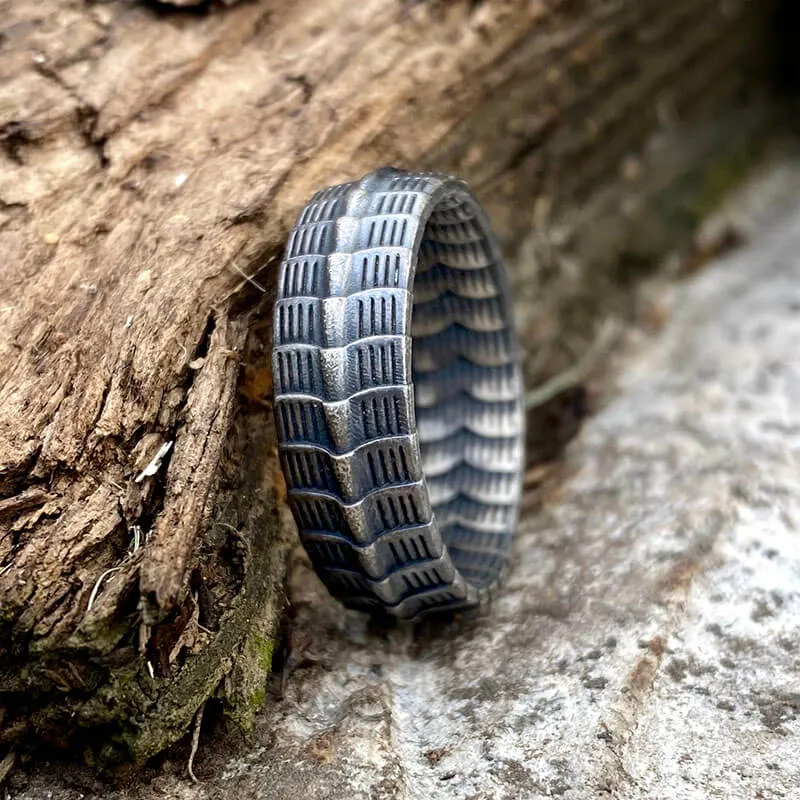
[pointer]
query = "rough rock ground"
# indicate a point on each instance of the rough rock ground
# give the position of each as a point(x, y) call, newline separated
point(647, 642)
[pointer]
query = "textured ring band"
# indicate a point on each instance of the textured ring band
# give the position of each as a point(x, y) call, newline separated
point(403, 464)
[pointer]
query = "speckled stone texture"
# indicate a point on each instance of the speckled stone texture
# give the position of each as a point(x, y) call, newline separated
point(646, 643)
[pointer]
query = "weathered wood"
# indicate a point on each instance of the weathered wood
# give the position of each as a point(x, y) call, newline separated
point(150, 166)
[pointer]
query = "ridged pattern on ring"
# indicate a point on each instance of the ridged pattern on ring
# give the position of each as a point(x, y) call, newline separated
point(403, 474)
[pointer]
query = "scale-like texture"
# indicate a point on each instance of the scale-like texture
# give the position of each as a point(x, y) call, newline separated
point(409, 505)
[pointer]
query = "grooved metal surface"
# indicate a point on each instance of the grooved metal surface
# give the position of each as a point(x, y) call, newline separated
point(398, 393)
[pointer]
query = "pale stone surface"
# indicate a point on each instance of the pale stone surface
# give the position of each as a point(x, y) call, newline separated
point(647, 643)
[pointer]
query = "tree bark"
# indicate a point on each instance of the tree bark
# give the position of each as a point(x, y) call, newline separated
point(151, 164)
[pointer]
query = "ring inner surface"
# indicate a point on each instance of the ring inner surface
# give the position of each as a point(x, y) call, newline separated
point(467, 389)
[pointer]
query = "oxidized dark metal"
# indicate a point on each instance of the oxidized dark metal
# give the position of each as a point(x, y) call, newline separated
point(402, 454)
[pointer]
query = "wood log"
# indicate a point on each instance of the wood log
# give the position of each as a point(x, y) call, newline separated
point(151, 163)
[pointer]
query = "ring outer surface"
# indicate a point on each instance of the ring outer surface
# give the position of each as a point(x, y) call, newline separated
point(349, 442)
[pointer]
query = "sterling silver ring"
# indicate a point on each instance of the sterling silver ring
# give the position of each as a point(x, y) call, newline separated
point(398, 393)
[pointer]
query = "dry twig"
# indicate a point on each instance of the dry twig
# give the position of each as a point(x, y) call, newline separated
point(608, 334)
point(198, 721)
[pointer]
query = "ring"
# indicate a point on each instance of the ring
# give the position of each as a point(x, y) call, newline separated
point(398, 393)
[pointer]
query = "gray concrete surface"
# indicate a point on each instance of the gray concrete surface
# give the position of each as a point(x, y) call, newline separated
point(647, 643)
